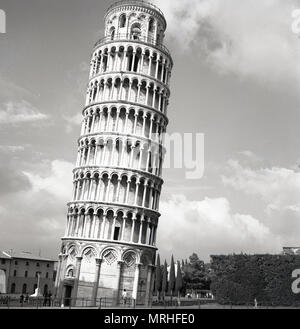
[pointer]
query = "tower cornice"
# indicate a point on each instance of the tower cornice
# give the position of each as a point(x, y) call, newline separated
point(117, 207)
point(124, 103)
point(126, 38)
point(135, 5)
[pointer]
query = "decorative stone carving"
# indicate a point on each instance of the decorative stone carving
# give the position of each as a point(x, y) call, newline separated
point(118, 172)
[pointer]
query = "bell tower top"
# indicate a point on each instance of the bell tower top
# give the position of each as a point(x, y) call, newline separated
point(138, 20)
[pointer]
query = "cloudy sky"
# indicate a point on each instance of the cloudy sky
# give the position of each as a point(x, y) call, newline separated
point(236, 80)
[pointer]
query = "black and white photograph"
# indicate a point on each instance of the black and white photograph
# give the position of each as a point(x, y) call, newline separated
point(149, 157)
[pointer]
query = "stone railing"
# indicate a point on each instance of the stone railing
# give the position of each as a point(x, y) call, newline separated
point(136, 3)
point(130, 37)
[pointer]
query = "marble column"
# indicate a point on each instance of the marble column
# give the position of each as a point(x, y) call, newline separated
point(149, 285)
point(132, 228)
point(136, 281)
point(61, 275)
point(58, 279)
point(96, 282)
point(76, 281)
point(119, 275)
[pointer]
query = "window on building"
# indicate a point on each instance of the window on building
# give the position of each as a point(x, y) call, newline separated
point(151, 25)
point(48, 265)
point(70, 273)
point(26, 274)
point(112, 33)
point(16, 262)
point(136, 31)
point(27, 263)
point(15, 273)
point(13, 288)
point(116, 233)
point(122, 21)
point(47, 275)
point(158, 37)
point(37, 274)
point(38, 264)
point(34, 288)
point(2, 261)
point(24, 288)
point(45, 289)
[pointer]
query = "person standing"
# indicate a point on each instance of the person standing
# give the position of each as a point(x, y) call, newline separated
point(49, 298)
point(124, 297)
point(45, 298)
point(255, 303)
point(21, 300)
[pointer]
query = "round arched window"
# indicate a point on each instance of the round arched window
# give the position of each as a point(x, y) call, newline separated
point(151, 25)
point(122, 21)
point(112, 33)
point(70, 273)
point(136, 31)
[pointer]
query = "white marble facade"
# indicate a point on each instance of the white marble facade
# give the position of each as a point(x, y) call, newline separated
point(110, 239)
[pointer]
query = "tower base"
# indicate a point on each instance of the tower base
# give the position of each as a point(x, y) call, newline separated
point(105, 274)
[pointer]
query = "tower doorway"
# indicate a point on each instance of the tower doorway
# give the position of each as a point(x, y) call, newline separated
point(117, 233)
point(68, 294)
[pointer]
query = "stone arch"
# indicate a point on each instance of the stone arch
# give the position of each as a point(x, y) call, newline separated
point(72, 251)
point(146, 259)
point(130, 257)
point(89, 251)
point(110, 255)
point(151, 25)
point(70, 271)
point(122, 21)
point(136, 30)
point(112, 32)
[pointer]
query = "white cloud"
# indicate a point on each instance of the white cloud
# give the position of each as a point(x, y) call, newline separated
point(248, 38)
point(279, 188)
point(210, 227)
point(58, 183)
point(73, 121)
point(11, 90)
point(11, 148)
point(38, 221)
point(251, 156)
point(20, 112)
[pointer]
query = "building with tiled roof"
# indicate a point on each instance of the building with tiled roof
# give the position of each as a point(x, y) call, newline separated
point(23, 273)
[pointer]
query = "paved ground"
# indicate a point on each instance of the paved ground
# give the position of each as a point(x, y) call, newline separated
point(202, 307)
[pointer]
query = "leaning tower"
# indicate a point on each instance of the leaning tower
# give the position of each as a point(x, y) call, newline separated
point(110, 240)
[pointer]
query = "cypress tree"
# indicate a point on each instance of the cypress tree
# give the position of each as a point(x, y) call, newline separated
point(164, 287)
point(179, 281)
point(182, 265)
point(172, 278)
point(158, 278)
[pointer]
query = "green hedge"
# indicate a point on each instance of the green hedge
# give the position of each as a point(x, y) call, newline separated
point(239, 279)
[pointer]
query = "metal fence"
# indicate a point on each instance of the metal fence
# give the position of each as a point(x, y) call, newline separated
point(100, 303)
point(182, 302)
point(69, 303)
